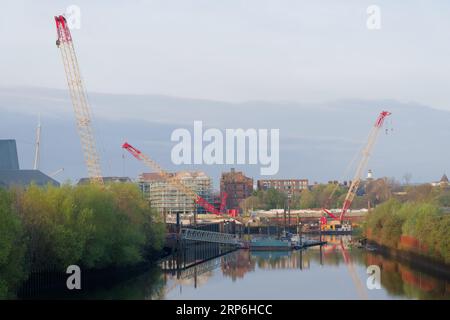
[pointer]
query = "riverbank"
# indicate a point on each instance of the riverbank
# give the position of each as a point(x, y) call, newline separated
point(414, 260)
point(420, 229)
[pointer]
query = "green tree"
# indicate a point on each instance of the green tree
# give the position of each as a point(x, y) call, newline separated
point(12, 248)
point(274, 199)
point(307, 200)
point(443, 199)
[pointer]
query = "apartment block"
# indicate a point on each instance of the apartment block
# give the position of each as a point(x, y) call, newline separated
point(165, 198)
point(284, 185)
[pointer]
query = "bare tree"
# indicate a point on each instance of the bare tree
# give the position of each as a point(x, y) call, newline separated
point(407, 178)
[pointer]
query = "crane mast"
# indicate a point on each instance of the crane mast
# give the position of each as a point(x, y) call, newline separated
point(37, 151)
point(363, 163)
point(171, 179)
point(79, 100)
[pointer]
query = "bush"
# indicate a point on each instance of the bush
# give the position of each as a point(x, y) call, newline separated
point(443, 238)
point(422, 220)
point(91, 226)
point(384, 217)
point(12, 248)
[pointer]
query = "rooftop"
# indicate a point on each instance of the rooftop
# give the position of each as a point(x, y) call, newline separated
point(9, 178)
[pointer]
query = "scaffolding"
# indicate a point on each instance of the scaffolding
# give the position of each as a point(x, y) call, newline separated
point(167, 199)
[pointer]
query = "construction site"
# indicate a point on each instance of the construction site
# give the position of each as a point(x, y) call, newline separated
point(181, 196)
point(284, 223)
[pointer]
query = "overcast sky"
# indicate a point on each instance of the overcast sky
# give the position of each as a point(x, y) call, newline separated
point(237, 50)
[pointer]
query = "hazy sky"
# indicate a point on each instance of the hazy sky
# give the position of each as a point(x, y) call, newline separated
point(237, 50)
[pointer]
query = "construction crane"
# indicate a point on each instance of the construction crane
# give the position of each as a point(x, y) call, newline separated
point(359, 170)
point(79, 100)
point(172, 180)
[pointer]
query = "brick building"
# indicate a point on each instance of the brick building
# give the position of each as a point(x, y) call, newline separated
point(237, 186)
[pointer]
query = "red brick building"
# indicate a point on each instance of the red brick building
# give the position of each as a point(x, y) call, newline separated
point(237, 186)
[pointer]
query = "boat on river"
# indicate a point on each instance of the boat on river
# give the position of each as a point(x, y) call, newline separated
point(267, 244)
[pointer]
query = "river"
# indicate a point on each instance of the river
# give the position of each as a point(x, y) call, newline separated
point(335, 271)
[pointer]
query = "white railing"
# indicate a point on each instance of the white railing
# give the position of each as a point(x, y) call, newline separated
point(208, 236)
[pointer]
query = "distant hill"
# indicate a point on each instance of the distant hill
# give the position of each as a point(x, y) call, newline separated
point(317, 141)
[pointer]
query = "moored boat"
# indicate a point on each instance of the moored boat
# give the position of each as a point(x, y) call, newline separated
point(269, 244)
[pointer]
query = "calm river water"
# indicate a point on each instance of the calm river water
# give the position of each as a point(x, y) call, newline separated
point(335, 271)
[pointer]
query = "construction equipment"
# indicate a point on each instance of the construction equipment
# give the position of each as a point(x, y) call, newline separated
point(79, 99)
point(53, 174)
point(337, 223)
point(171, 179)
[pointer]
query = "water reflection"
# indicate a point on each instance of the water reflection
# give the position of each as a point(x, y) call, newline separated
point(339, 256)
point(334, 271)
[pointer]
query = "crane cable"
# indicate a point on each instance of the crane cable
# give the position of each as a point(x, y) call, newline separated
point(346, 171)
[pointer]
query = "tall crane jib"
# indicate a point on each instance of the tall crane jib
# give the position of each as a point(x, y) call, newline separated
point(363, 163)
point(79, 100)
point(358, 174)
point(173, 181)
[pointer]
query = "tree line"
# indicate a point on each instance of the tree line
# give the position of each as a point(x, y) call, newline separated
point(370, 194)
point(423, 220)
point(91, 226)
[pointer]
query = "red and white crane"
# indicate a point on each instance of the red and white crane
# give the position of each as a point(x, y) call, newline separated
point(79, 99)
point(174, 181)
point(361, 167)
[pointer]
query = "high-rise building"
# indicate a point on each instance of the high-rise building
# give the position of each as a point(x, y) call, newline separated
point(294, 186)
point(167, 199)
point(237, 186)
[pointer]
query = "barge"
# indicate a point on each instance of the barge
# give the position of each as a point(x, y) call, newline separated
point(269, 245)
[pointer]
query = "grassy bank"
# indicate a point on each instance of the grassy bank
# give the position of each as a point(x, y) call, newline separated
point(420, 227)
point(89, 226)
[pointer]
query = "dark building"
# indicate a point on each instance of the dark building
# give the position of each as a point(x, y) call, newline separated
point(10, 178)
point(11, 175)
point(294, 186)
point(8, 155)
point(237, 186)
